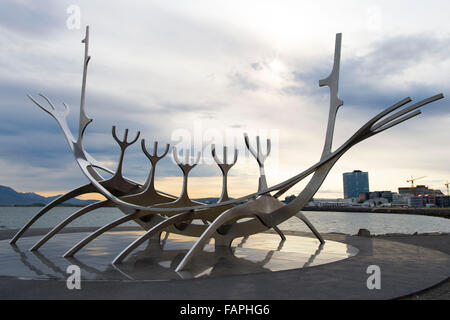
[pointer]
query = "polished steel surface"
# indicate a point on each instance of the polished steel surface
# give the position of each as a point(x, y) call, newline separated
point(157, 211)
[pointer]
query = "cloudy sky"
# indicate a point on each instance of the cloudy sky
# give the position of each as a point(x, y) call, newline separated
point(191, 71)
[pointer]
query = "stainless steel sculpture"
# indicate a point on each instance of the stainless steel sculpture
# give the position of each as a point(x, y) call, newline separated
point(157, 211)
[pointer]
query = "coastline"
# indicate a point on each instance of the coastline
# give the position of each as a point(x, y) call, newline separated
point(431, 212)
point(435, 212)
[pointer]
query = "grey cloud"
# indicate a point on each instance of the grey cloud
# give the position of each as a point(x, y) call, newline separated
point(30, 137)
point(33, 17)
point(306, 82)
point(360, 77)
point(31, 141)
point(395, 54)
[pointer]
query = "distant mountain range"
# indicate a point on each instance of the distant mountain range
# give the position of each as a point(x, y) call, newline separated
point(9, 196)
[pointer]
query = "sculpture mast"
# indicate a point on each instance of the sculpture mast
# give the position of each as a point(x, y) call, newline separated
point(84, 119)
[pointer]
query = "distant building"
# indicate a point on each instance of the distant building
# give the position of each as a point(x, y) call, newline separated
point(355, 182)
point(422, 196)
point(430, 200)
point(363, 196)
point(405, 190)
point(417, 202)
point(419, 189)
point(401, 200)
point(376, 195)
point(289, 198)
point(442, 201)
point(381, 194)
point(330, 203)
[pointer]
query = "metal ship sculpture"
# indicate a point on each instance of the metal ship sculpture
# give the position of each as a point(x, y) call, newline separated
point(156, 211)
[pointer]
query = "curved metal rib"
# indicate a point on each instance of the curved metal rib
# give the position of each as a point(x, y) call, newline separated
point(302, 217)
point(257, 208)
point(347, 143)
point(88, 188)
point(274, 217)
point(280, 233)
point(148, 196)
point(116, 184)
point(153, 231)
point(66, 221)
point(323, 165)
point(98, 232)
point(405, 111)
point(204, 238)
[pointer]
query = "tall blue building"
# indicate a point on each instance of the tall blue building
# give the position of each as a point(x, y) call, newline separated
point(355, 182)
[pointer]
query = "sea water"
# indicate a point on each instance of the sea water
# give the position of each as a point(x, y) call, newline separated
point(324, 221)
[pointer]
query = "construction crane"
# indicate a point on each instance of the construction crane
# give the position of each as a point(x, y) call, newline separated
point(447, 184)
point(414, 179)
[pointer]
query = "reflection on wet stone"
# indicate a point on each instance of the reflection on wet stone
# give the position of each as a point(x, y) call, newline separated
point(158, 260)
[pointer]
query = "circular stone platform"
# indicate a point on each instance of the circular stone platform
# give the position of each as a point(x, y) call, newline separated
point(157, 261)
point(405, 269)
